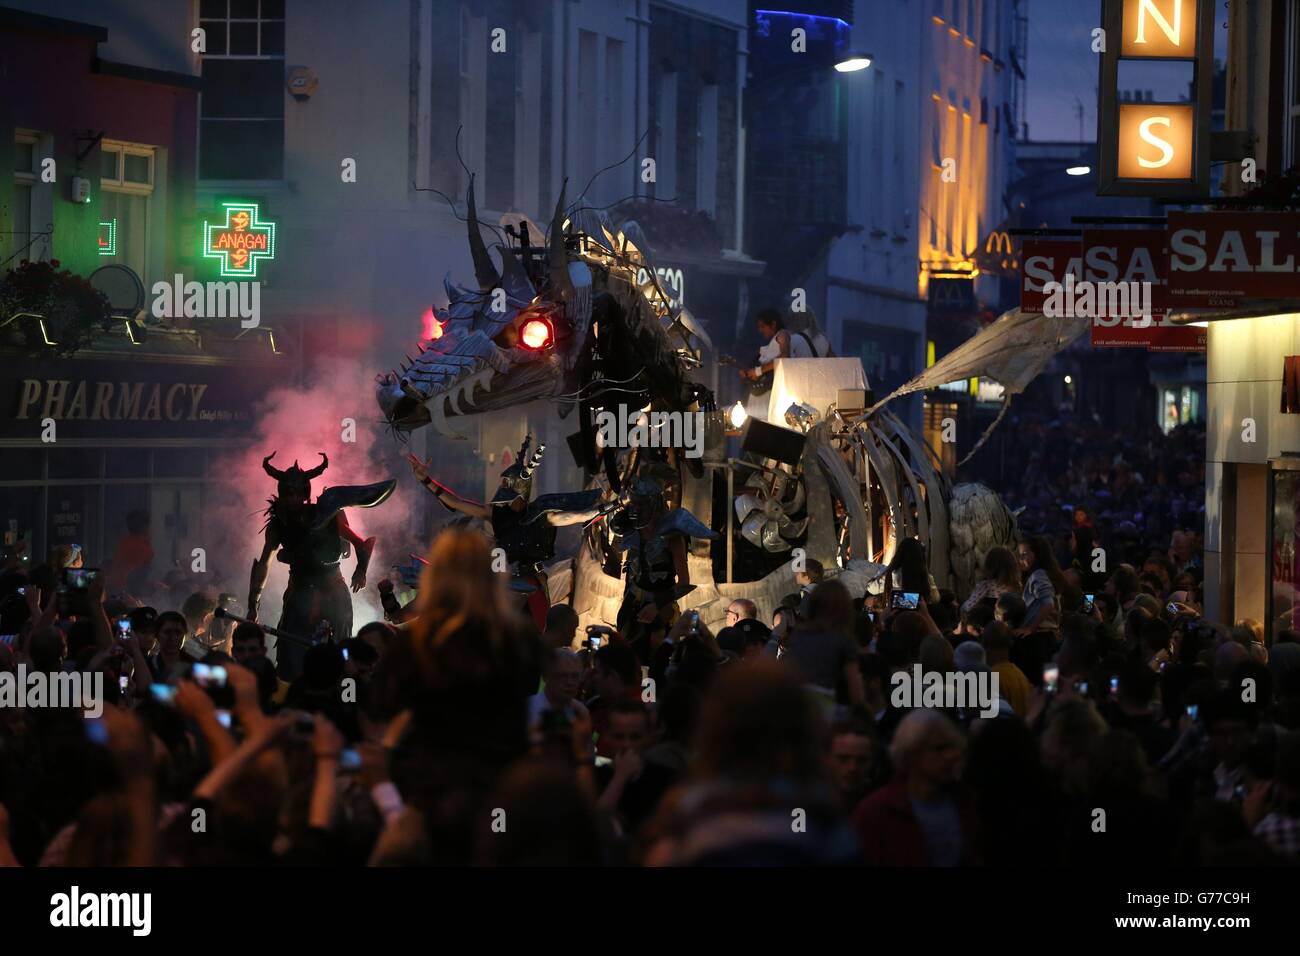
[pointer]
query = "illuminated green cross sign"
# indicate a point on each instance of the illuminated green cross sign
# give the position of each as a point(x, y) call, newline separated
point(241, 241)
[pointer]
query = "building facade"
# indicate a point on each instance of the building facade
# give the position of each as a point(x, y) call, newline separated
point(1252, 485)
point(100, 128)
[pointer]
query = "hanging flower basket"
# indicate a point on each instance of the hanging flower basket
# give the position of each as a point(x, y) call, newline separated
point(47, 309)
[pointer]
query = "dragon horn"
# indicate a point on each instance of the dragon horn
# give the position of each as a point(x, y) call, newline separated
point(275, 473)
point(316, 472)
point(534, 461)
point(484, 270)
point(559, 260)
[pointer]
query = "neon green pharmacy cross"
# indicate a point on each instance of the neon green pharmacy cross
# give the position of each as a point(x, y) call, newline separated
point(241, 241)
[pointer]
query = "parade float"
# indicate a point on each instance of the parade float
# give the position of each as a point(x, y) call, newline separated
point(582, 320)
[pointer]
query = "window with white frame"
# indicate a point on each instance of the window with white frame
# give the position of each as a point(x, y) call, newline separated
point(26, 240)
point(241, 112)
point(126, 182)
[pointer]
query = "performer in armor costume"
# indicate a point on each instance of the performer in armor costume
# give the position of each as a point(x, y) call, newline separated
point(524, 529)
point(654, 553)
point(312, 538)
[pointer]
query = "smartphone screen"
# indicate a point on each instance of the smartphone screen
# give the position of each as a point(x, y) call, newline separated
point(350, 760)
point(1051, 675)
point(1192, 710)
point(163, 693)
point(1087, 604)
point(1114, 687)
point(123, 627)
point(97, 730)
point(906, 599)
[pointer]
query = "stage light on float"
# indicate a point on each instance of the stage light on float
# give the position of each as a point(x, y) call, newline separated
point(801, 416)
point(535, 334)
point(738, 415)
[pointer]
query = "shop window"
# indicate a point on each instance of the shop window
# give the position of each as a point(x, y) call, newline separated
point(1284, 541)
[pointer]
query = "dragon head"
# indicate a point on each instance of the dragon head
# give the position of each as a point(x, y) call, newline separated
point(527, 331)
point(505, 343)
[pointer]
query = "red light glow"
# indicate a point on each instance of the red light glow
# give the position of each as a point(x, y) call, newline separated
point(430, 327)
point(535, 334)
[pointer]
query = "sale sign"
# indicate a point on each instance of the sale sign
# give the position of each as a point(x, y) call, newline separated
point(1135, 256)
point(1044, 261)
point(1220, 259)
point(1116, 277)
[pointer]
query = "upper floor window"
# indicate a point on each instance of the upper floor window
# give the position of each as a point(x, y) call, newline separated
point(28, 238)
point(241, 122)
point(1292, 88)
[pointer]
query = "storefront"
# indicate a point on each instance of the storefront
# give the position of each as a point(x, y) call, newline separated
point(89, 439)
point(1235, 272)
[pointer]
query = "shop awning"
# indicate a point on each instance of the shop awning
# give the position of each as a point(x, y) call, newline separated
point(1253, 310)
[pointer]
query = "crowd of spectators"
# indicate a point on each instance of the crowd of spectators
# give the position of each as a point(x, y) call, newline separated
point(1119, 726)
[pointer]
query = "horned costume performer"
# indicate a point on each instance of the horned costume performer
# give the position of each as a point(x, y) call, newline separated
point(312, 538)
point(654, 540)
point(523, 528)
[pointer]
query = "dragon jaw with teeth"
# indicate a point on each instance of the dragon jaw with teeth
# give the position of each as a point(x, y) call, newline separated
point(581, 320)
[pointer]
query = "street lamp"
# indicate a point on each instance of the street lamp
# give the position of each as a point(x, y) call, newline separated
point(1078, 170)
point(853, 62)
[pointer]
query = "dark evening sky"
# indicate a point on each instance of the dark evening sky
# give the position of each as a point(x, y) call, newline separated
point(1063, 69)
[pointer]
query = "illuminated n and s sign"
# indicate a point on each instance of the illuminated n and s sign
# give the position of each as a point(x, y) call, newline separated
point(1166, 150)
point(1159, 28)
point(1155, 141)
point(1146, 7)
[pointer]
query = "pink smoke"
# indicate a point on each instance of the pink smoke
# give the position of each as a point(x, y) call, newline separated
point(300, 423)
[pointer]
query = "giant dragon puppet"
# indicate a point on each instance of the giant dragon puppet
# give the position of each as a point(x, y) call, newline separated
point(312, 538)
point(584, 322)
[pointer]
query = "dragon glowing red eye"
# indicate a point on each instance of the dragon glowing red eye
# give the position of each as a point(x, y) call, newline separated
point(535, 334)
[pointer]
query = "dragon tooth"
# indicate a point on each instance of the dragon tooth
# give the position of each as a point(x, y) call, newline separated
point(438, 418)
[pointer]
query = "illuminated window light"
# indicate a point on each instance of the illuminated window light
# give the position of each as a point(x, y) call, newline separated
point(108, 238)
point(241, 242)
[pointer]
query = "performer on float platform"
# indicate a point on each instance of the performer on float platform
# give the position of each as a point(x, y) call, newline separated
point(523, 529)
point(312, 538)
